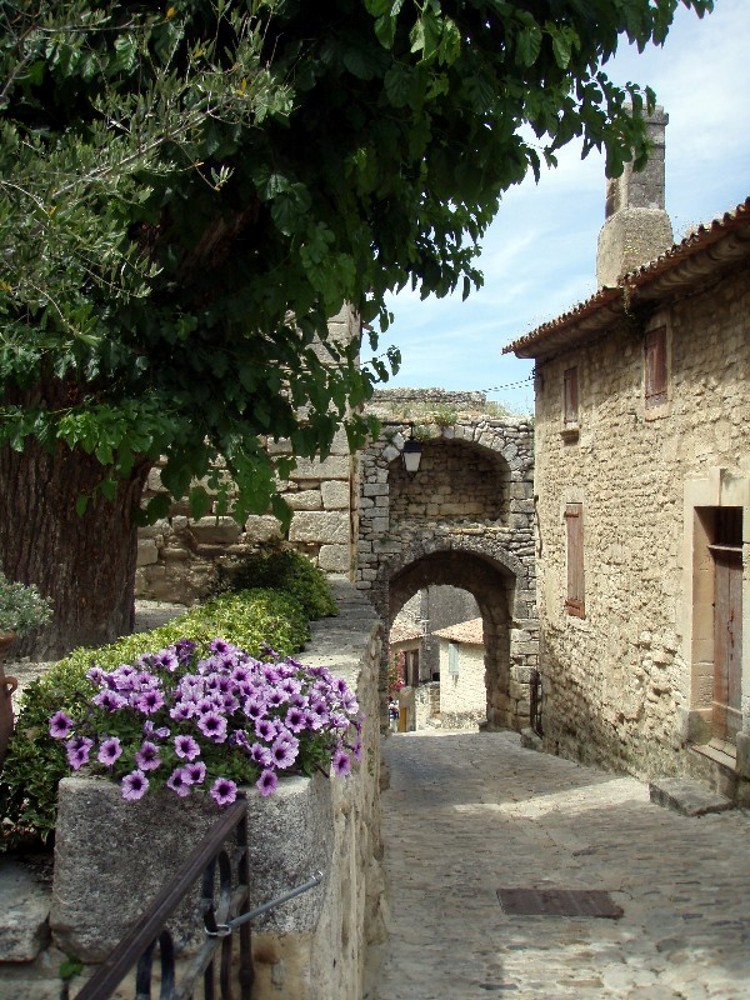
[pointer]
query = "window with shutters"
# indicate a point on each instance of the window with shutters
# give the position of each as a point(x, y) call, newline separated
point(453, 658)
point(574, 601)
point(570, 395)
point(655, 368)
point(570, 404)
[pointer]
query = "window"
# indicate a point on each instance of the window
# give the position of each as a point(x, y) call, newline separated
point(655, 368)
point(412, 667)
point(453, 658)
point(574, 601)
point(570, 397)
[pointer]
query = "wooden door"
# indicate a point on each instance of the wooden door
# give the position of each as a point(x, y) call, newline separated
point(727, 715)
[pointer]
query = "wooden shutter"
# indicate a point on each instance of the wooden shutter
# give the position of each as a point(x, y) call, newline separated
point(570, 396)
point(574, 601)
point(655, 367)
point(452, 657)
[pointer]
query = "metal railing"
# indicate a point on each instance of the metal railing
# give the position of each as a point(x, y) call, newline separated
point(536, 696)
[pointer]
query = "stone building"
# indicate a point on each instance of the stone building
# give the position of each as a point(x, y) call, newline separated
point(462, 695)
point(643, 498)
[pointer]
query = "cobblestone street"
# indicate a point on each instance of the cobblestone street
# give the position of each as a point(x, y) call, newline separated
point(469, 813)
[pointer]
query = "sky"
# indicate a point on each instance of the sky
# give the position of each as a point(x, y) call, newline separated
point(539, 254)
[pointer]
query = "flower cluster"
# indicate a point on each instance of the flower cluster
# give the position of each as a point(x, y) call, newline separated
point(189, 722)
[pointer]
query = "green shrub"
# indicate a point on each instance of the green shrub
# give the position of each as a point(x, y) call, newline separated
point(281, 569)
point(36, 762)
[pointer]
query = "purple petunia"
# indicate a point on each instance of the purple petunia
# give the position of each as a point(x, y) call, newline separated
point(341, 763)
point(266, 729)
point(295, 719)
point(109, 751)
point(150, 701)
point(267, 783)
point(253, 720)
point(186, 747)
point(78, 751)
point(60, 725)
point(179, 782)
point(214, 726)
point(261, 755)
point(134, 786)
point(284, 751)
point(147, 757)
point(223, 791)
point(109, 700)
point(195, 772)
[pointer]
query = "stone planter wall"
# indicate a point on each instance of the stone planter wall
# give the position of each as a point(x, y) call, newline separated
point(108, 869)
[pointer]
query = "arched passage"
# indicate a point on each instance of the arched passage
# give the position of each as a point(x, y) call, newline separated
point(493, 587)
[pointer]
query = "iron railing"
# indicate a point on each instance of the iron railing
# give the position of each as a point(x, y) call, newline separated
point(536, 695)
point(137, 948)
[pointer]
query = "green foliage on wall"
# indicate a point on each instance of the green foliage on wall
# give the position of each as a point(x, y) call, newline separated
point(35, 762)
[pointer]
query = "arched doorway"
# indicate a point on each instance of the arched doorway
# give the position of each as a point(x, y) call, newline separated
point(493, 587)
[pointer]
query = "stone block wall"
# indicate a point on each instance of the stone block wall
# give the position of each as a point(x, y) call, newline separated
point(622, 684)
point(177, 555)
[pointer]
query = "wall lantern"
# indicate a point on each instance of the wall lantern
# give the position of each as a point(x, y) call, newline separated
point(412, 455)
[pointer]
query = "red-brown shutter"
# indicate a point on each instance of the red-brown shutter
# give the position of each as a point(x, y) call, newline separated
point(574, 602)
point(655, 373)
point(571, 395)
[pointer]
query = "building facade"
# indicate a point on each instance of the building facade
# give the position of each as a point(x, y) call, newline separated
point(643, 510)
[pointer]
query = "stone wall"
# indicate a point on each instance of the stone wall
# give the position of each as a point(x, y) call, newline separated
point(310, 948)
point(622, 684)
point(177, 555)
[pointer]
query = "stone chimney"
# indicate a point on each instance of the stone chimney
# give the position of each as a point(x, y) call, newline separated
point(636, 226)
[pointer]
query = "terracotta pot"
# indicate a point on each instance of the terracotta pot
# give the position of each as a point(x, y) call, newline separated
point(7, 686)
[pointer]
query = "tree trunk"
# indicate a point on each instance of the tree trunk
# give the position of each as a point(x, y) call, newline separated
point(86, 564)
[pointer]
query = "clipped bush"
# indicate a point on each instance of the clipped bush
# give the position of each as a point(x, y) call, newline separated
point(253, 620)
point(281, 568)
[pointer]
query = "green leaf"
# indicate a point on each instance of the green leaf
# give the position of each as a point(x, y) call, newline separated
point(108, 488)
point(562, 44)
point(200, 502)
point(385, 30)
point(529, 45)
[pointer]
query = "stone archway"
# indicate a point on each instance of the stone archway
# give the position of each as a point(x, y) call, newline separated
point(465, 519)
point(493, 587)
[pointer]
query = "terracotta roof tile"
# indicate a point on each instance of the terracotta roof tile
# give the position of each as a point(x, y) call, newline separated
point(403, 633)
point(470, 632)
point(710, 246)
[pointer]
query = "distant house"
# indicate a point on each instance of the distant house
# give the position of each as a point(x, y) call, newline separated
point(406, 647)
point(463, 695)
point(642, 450)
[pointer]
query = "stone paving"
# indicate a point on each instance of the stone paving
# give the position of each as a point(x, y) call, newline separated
point(468, 813)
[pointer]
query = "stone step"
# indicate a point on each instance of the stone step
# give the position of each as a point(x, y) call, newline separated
point(24, 926)
point(688, 796)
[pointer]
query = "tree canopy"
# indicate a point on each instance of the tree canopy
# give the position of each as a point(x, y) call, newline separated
point(188, 192)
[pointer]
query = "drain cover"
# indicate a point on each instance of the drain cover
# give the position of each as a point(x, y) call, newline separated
point(558, 903)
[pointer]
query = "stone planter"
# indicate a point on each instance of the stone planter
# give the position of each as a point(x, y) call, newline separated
point(112, 857)
point(7, 686)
